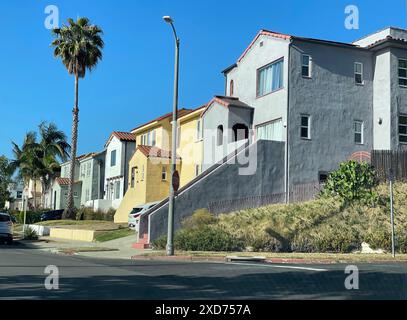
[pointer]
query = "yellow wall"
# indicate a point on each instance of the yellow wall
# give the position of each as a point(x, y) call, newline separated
point(190, 148)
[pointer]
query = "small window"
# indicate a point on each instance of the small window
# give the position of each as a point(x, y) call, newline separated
point(305, 127)
point(402, 72)
point(358, 129)
point(117, 190)
point(154, 138)
point(231, 88)
point(133, 177)
point(272, 131)
point(113, 158)
point(198, 170)
point(358, 73)
point(306, 66)
point(403, 128)
point(219, 140)
point(323, 177)
point(199, 130)
point(164, 174)
point(270, 78)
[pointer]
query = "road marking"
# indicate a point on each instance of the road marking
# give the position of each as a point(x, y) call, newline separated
point(279, 266)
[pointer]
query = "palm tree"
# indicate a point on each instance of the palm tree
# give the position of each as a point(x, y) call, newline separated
point(28, 160)
point(53, 147)
point(79, 45)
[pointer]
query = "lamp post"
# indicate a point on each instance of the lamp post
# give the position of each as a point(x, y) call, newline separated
point(170, 237)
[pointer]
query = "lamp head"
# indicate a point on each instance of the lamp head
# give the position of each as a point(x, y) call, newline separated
point(168, 19)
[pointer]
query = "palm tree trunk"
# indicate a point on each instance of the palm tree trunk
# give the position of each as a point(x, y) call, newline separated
point(70, 210)
point(35, 194)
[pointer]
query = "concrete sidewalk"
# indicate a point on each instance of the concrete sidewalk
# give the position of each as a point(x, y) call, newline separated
point(115, 249)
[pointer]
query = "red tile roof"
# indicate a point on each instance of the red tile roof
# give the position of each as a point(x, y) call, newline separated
point(181, 113)
point(63, 181)
point(155, 152)
point(265, 33)
point(124, 136)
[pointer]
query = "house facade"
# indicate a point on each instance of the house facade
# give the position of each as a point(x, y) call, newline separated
point(16, 196)
point(150, 167)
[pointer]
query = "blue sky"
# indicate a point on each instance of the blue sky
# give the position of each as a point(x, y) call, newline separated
point(133, 83)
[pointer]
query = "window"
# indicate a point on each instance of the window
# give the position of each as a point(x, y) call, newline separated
point(153, 138)
point(305, 127)
point(358, 73)
point(270, 78)
point(402, 72)
point(133, 177)
point(240, 132)
point(117, 189)
point(199, 130)
point(164, 174)
point(306, 66)
point(403, 129)
point(88, 169)
point(231, 88)
point(113, 158)
point(358, 129)
point(149, 139)
point(272, 131)
point(219, 140)
point(198, 170)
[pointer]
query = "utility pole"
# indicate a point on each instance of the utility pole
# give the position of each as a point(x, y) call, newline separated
point(393, 245)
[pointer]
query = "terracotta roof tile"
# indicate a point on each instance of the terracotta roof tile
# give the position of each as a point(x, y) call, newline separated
point(181, 113)
point(63, 181)
point(124, 136)
point(155, 152)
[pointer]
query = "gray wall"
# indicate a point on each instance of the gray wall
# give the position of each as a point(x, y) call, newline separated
point(226, 182)
point(334, 102)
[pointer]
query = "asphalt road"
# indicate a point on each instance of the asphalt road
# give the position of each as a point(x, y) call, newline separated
point(22, 277)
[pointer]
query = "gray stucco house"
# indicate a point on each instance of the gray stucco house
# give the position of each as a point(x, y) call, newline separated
point(323, 102)
point(327, 100)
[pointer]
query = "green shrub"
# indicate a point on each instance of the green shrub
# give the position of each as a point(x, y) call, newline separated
point(199, 219)
point(31, 217)
point(30, 234)
point(206, 238)
point(352, 181)
point(85, 213)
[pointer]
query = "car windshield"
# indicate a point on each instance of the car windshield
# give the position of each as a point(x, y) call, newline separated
point(4, 218)
point(136, 210)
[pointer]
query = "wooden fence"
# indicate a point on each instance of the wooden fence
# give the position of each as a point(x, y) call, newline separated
point(384, 160)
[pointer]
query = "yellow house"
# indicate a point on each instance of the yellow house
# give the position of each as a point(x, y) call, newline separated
point(149, 168)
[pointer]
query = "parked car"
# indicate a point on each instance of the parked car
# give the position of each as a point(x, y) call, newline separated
point(134, 216)
point(6, 228)
point(52, 215)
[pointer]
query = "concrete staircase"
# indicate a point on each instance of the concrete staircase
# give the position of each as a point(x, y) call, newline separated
point(143, 243)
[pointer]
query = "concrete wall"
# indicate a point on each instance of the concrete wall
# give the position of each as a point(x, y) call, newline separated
point(334, 102)
point(226, 182)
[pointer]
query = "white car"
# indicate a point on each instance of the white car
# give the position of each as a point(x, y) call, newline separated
point(6, 228)
point(134, 216)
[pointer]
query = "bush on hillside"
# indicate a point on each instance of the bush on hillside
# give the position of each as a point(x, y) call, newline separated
point(352, 181)
point(85, 213)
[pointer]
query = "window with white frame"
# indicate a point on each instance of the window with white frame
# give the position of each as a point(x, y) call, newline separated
point(164, 173)
point(199, 130)
point(149, 139)
point(359, 73)
point(403, 128)
point(358, 129)
point(306, 66)
point(272, 131)
point(113, 155)
point(402, 72)
point(305, 126)
point(117, 190)
point(270, 78)
point(88, 169)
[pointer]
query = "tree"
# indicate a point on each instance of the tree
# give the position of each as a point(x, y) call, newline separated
point(5, 179)
point(79, 45)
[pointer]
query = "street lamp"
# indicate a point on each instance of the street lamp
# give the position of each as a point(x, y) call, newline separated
point(170, 237)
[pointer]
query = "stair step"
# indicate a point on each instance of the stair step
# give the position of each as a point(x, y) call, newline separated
point(141, 246)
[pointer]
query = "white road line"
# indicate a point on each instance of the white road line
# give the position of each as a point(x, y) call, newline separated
point(277, 266)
